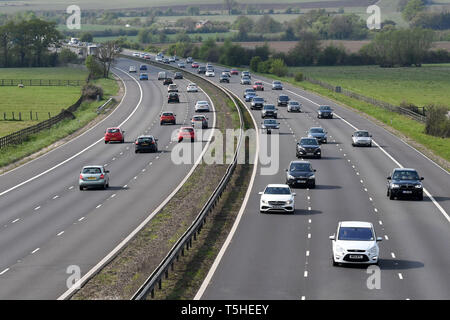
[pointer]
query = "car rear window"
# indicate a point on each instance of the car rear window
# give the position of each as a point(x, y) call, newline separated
point(92, 170)
point(187, 130)
point(113, 130)
point(316, 130)
point(167, 114)
point(355, 234)
point(145, 140)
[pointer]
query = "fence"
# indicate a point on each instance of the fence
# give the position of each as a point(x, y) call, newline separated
point(21, 135)
point(41, 82)
point(421, 117)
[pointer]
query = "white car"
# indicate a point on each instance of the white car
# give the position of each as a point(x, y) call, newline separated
point(159, 59)
point(172, 88)
point(202, 106)
point(361, 138)
point(277, 197)
point(355, 242)
point(210, 73)
point(132, 69)
point(192, 87)
point(136, 54)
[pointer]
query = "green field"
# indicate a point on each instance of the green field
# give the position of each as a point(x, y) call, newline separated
point(40, 100)
point(85, 113)
point(421, 86)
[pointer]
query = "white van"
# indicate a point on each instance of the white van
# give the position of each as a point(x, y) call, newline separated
point(162, 75)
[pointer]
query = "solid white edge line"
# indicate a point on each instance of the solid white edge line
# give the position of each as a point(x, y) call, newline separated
point(82, 151)
point(438, 206)
point(119, 247)
point(230, 236)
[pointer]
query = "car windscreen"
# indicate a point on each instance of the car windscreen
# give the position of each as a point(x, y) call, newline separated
point(293, 103)
point(324, 108)
point(355, 234)
point(283, 98)
point(405, 175)
point(92, 170)
point(305, 167)
point(270, 121)
point(309, 142)
point(316, 130)
point(257, 99)
point(361, 134)
point(269, 107)
point(277, 190)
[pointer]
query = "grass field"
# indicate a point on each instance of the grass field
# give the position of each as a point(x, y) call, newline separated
point(421, 86)
point(85, 113)
point(40, 100)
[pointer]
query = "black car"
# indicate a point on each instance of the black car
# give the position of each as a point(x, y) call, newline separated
point(405, 183)
point(201, 70)
point(178, 75)
point(325, 112)
point(283, 100)
point(301, 173)
point(146, 144)
point(308, 147)
point(224, 79)
point(318, 133)
point(143, 67)
point(173, 97)
point(167, 81)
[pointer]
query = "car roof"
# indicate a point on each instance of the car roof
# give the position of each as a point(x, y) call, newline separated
point(277, 186)
point(146, 136)
point(357, 224)
point(315, 128)
point(202, 101)
point(112, 128)
point(405, 169)
point(93, 166)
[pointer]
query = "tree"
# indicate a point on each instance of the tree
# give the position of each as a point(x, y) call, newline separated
point(306, 51)
point(230, 5)
point(254, 63)
point(106, 56)
point(43, 34)
point(278, 68)
point(193, 11)
point(6, 41)
point(87, 37)
point(94, 67)
point(266, 24)
point(244, 25)
point(412, 8)
point(67, 56)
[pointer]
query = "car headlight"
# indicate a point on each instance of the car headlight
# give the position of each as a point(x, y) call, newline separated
point(339, 249)
point(290, 177)
point(312, 177)
point(264, 201)
point(394, 186)
point(418, 186)
point(289, 201)
point(373, 250)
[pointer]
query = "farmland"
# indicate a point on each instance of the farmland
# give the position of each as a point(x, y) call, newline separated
point(36, 99)
point(421, 86)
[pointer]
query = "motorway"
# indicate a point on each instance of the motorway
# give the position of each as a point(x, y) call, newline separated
point(47, 224)
point(288, 256)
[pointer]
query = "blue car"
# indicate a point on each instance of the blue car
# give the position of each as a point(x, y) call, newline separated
point(143, 67)
point(143, 76)
point(249, 96)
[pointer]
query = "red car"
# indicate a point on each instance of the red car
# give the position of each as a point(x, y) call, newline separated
point(258, 86)
point(186, 132)
point(234, 72)
point(194, 65)
point(167, 117)
point(114, 134)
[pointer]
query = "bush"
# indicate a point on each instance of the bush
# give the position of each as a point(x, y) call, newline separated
point(67, 56)
point(94, 67)
point(438, 123)
point(90, 91)
point(278, 68)
point(410, 106)
point(298, 77)
point(254, 63)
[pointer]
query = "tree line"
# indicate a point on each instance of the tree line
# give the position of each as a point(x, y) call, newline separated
point(26, 43)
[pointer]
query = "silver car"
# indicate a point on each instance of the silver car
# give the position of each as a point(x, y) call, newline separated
point(202, 106)
point(294, 106)
point(361, 138)
point(93, 176)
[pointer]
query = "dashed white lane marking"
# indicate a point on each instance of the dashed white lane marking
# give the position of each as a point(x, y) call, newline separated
point(60, 233)
point(34, 251)
point(16, 220)
point(55, 197)
point(113, 159)
point(81, 219)
point(361, 181)
point(380, 222)
point(71, 187)
point(125, 186)
point(307, 253)
point(135, 178)
point(113, 195)
point(370, 199)
point(309, 235)
point(98, 206)
point(365, 189)
point(305, 274)
point(400, 276)
point(386, 237)
point(309, 221)
point(375, 209)
point(37, 208)
point(393, 255)
point(309, 208)
point(303, 298)
point(4, 271)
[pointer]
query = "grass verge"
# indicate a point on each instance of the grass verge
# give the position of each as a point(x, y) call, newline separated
point(46, 138)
